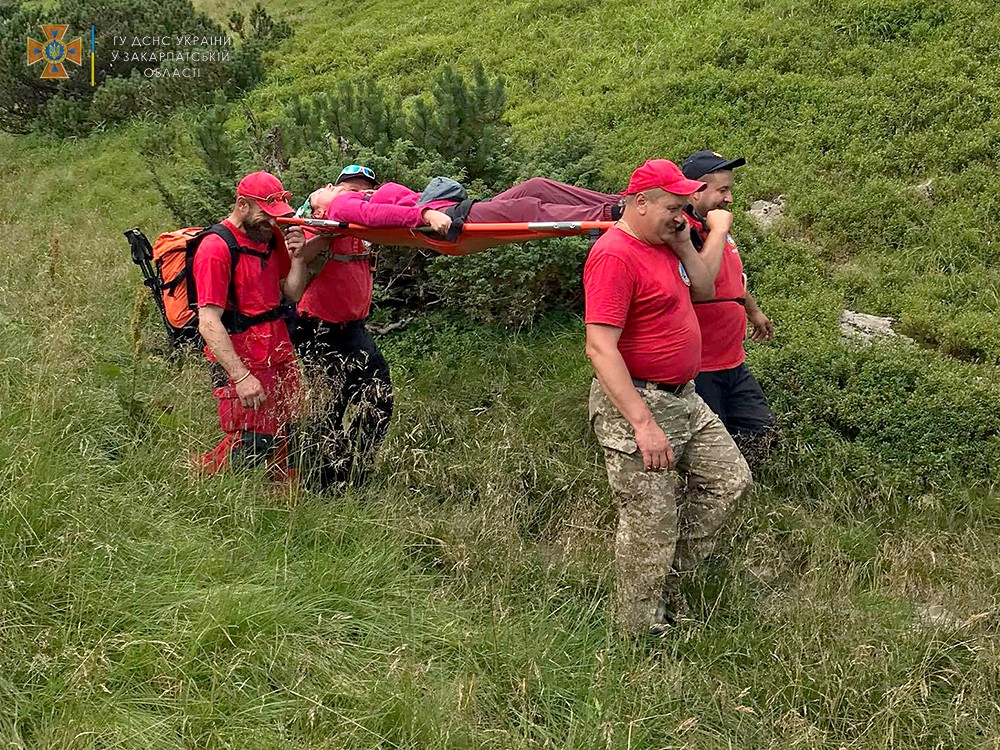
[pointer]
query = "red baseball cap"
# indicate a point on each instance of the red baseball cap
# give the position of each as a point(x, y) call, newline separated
point(663, 174)
point(265, 189)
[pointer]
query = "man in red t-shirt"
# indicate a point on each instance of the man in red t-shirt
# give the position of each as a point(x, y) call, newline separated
point(674, 469)
point(725, 382)
point(255, 374)
point(347, 372)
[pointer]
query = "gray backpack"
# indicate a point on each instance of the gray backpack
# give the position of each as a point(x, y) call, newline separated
point(443, 189)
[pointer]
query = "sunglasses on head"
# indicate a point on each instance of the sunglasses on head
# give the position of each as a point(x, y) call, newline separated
point(357, 169)
point(283, 197)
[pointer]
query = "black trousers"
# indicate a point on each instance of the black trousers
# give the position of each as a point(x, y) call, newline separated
point(736, 396)
point(350, 399)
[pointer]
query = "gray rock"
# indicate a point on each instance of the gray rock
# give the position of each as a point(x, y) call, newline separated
point(766, 214)
point(924, 191)
point(865, 328)
point(936, 617)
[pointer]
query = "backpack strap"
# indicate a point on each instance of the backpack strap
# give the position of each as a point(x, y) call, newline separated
point(233, 320)
point(234, 247)
point(187, 276)
point(229, 238)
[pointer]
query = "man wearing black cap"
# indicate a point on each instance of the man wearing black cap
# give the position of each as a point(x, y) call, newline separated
point(352, 399)
point(725, 382)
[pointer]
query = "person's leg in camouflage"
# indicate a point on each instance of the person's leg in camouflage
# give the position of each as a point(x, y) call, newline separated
point(645, 541)
point(717, 477)
point(646, 596)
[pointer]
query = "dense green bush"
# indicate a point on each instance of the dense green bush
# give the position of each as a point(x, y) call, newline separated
point(127, 84)
point(512, 284)
point(456, 129)
point(902, 418)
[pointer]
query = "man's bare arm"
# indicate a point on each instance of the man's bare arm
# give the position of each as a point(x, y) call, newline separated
point(762, 327)
point(702, 280)
point(302, 252)
point(294, 284)
point(615, 379)
point(718, 223)
point(248, 388)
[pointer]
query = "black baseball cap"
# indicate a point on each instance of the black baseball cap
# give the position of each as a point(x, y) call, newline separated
point(702, 163)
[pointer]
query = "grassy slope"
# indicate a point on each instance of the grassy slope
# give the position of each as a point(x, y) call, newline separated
point(840, 106)
point(460, 600)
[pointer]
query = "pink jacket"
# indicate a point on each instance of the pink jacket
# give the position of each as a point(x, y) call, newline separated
point(392, 205)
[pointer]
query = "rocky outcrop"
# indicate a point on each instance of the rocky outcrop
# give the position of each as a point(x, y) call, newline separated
point(856, 326)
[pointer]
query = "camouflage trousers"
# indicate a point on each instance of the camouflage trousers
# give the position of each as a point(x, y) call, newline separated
point(667, 521)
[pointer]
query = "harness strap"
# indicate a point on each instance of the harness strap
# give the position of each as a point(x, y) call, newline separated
point(352, 257)
point(232, 319)
point(236, 322)
point(737, 300)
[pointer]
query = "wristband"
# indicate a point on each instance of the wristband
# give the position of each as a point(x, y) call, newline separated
point(244, 377)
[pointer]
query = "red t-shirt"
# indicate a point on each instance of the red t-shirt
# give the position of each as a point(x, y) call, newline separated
point(723, 324)
point(258, 289)
point(639, 288)
point(342, 290)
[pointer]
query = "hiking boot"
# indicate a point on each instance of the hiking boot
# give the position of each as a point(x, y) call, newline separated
point(671, 610)
point(675, 606)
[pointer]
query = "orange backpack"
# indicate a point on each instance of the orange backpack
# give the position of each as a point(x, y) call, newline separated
point(167, 269)
point(173, 255)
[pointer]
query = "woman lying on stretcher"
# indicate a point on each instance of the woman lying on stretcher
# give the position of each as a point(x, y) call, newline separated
point(354, 199)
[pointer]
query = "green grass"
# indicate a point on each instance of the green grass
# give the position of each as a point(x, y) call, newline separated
point(461, 599)
point(841, 106)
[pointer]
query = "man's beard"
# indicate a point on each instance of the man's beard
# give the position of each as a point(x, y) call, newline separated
point(258, 232)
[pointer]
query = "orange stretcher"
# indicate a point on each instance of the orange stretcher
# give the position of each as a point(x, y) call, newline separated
point(473, 239)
